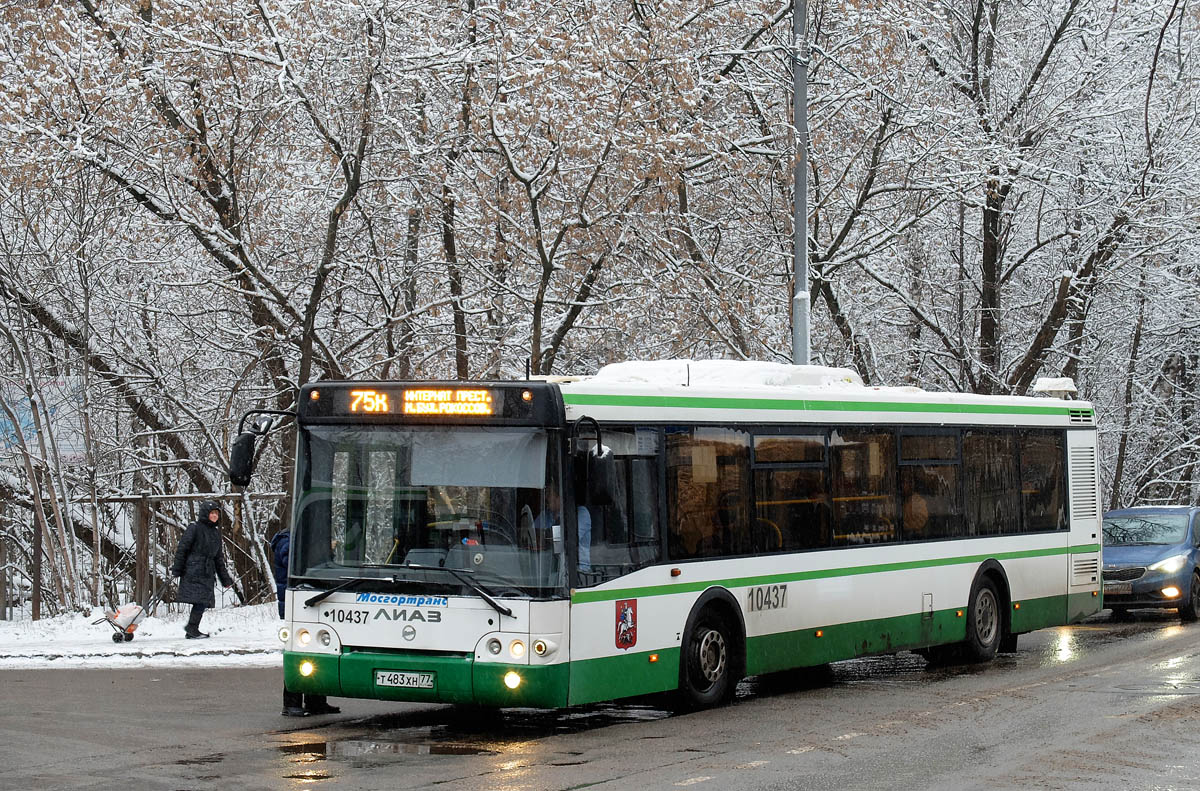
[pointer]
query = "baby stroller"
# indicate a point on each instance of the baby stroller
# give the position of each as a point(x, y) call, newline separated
point(127, 617)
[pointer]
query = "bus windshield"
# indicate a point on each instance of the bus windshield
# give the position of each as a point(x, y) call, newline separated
point(1149, 529)
point(374, 502)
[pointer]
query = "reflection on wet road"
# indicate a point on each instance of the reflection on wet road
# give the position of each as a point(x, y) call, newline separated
point(513, 739)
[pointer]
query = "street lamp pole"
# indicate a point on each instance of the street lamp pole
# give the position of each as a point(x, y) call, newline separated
point(800, 306)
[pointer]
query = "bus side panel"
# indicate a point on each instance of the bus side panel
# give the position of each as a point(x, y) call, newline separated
point(1037, 591)
point(770, 653)
point(603, 669)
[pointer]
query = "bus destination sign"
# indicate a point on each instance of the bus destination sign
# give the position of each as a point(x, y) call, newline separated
point(449, 401)
point(438, 401)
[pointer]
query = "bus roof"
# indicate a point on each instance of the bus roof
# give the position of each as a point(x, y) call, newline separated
point(766, 392)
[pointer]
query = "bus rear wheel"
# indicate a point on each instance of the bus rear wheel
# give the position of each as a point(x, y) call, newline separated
point(706, 677)
point(985, 625)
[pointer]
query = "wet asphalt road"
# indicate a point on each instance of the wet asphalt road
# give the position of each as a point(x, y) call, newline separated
point(1102, 705)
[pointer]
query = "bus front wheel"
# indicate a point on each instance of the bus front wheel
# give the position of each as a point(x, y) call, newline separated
point(707, 672)
point(985, 624)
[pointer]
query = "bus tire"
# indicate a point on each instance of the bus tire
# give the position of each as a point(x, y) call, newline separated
point(985, 622)
point(1191, 608)
point(706, 667)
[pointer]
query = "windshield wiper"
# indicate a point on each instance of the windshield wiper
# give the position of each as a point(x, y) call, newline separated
point(346, 582)
point(460, 576)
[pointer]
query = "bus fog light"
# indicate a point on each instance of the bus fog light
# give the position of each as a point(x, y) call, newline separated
point(306, 668)
point(284, 634)
point(323, 637)
point(517, 649)
point(304, 637)
point(1171, 592)
point(494, 646)
point(512, 680)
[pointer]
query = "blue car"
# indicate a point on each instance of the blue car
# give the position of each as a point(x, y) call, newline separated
point(1150, 559)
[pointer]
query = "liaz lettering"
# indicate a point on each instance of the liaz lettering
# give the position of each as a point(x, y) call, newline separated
point(353, 615)
point(429, 616)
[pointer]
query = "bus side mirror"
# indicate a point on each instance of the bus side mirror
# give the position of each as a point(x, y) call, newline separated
point(241, 459)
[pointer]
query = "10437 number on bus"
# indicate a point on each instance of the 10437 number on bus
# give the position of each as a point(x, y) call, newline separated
point(766, 597)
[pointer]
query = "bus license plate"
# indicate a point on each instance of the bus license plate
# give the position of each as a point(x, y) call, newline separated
point(403, 678)
point(1118, 588)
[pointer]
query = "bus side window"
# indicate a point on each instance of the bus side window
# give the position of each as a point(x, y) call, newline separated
point(625, 535)
point(708, 475)
point(1042, 472)
point(863, 465)
point(990, 481)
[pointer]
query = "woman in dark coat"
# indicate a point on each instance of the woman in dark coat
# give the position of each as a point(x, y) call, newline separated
point(199, 560)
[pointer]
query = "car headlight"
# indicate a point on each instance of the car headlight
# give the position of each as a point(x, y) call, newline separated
point(1170, 565)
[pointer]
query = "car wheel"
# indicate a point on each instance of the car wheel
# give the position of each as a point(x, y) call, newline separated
point(984, 622)
point(1191, 609)
point(707, 663)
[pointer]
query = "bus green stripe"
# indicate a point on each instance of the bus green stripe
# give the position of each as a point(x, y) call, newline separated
point(629, 674)
point(583, 597)
point(709, 402)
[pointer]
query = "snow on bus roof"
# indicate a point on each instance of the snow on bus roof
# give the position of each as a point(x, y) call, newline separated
point(761, 377)
point(725, 373)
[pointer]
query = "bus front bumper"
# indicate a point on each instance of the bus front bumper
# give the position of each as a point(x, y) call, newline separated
point(456, 678)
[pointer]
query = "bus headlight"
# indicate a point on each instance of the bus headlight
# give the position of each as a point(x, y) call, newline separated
point(512, 680)
point(1170, 565)
point(284, 634)
point(304, 637)
point(494, 646)
point(517, 649)
point(323, 637)
point(306, 668)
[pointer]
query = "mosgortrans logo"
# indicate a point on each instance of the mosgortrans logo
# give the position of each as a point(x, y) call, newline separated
point(416, 601)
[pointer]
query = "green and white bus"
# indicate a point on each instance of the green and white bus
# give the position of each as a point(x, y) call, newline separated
point(673, 525)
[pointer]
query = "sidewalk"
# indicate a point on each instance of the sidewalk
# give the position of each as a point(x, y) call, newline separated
point(243, 636)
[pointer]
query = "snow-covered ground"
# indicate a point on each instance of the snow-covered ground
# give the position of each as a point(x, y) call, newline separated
point(245, 636)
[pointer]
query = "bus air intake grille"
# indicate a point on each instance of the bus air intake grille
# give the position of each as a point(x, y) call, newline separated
point(1084, 416)
point(1123, 575)
point(1085, 570)
point(1085, 503)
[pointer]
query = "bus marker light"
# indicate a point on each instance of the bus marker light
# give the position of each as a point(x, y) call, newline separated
point(315, 395)
point(1095, 593)
point(544, 647)
point(284, 634)
point(1016, 605)
point(676, 572)
point(1170, 592)
point(526, 395)
point(512, 680)
point(306, 668)
point(958, 613)
point(820, 633)
point(654, 657)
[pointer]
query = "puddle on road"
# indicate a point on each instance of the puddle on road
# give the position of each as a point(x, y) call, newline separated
point(460, 732)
